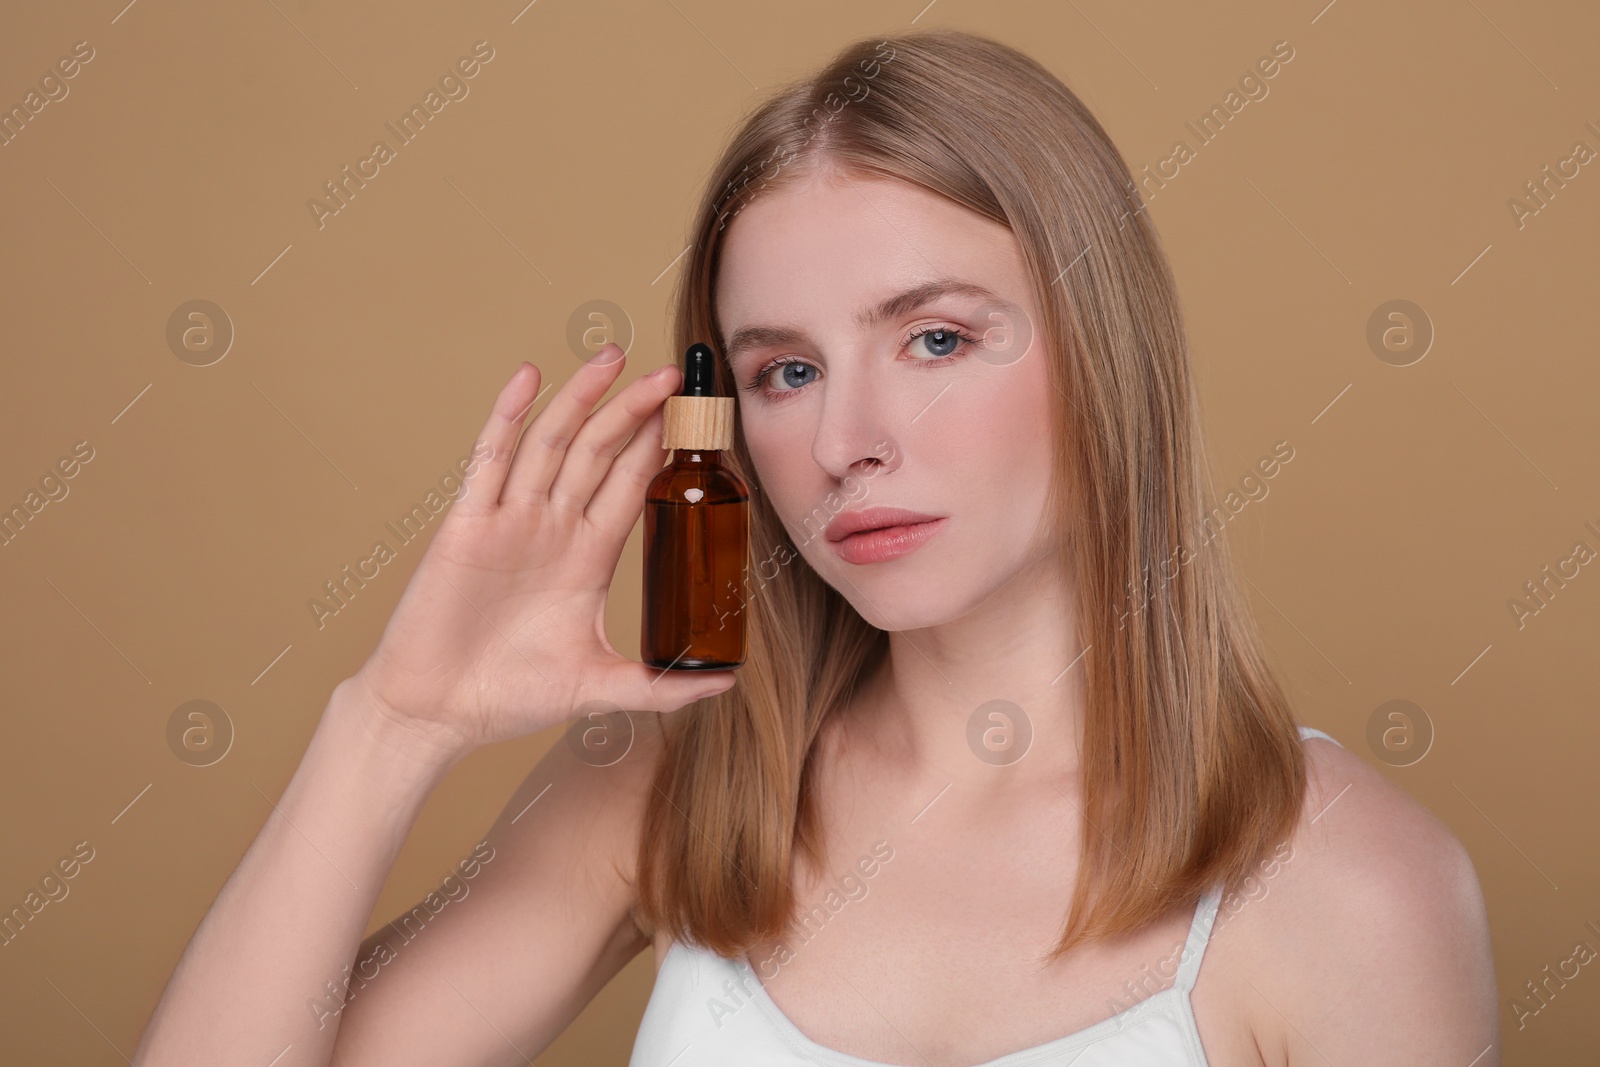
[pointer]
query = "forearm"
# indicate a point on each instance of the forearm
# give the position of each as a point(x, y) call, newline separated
point(255, 976)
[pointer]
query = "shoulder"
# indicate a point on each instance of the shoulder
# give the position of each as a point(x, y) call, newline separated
point(1370, 834)
point(1371, 939)
point(583, 803)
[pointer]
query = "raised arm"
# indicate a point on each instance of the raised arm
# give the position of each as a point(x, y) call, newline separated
point(537, 919)
point(499, 633)
point(292, 912)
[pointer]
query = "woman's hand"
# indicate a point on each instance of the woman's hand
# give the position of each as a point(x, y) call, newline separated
point(501, 631)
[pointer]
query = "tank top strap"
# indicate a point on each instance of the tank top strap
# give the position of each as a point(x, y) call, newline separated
point(1309, 731)
point(1205, 915)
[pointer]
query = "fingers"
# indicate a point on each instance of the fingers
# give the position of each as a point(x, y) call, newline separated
point(499, 434)
point(616, 505)
point(594, 449)
point(544, 443)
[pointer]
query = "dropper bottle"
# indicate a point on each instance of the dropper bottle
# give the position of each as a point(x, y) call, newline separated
point(696, 532)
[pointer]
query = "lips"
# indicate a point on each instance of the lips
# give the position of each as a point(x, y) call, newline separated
point(886, 542)
point(847, 523)
point(877, 535)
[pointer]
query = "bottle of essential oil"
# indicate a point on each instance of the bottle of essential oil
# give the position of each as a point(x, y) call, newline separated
point(696, 533)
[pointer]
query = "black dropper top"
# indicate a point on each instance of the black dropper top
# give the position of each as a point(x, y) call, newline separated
point(699, 371)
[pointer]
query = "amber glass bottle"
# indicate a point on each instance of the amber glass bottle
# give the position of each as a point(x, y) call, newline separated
point(696, 533)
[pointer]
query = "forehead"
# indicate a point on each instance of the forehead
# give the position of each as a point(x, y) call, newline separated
point(823, 250)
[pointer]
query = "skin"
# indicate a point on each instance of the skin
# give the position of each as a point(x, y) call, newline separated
point(937, 962)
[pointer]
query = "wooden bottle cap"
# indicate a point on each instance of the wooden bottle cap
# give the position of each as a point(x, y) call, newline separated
point(697, 422)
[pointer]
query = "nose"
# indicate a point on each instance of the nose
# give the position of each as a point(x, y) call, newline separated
point(856, 432)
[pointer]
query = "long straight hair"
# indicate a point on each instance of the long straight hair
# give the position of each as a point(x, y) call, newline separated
point(1191, 767)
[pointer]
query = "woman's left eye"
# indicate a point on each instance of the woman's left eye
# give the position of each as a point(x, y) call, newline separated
point(942, 342)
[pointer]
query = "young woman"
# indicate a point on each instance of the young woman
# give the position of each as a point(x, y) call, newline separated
point(996, 779)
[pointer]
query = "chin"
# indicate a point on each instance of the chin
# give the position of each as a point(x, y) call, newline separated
point(909, 601)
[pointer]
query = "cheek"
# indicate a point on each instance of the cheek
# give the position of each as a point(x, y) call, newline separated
point(993, 451)
point(778, 459)
point(788, 477)
point(997, 427)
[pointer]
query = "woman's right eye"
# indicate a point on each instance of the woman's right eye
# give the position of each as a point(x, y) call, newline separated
point(788, 374)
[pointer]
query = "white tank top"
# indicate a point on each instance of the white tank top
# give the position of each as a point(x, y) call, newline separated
point(708, 1011)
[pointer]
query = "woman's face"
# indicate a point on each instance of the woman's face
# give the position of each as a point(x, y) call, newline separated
point(854, 396)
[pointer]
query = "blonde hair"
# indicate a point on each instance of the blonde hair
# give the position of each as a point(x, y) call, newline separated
point(1192, 767)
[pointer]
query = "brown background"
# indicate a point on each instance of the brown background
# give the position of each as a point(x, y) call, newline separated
point(179, 567)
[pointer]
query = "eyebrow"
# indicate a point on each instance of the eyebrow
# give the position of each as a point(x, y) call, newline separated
point(747, 338)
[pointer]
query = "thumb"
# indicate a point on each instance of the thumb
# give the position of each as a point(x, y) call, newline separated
point(647, 688)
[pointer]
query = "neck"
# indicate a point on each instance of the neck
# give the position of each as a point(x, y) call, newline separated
point(1013, 664)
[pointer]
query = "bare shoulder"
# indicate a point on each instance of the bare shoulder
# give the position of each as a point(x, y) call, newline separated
point(1370, 940)
point(594, 781)
point(1370, 835)
point(571, 831)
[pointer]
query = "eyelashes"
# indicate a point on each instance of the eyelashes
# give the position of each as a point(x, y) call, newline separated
point(958, 334)
point(757, 384)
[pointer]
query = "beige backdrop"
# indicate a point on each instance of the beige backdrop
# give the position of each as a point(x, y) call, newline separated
point(211, 498)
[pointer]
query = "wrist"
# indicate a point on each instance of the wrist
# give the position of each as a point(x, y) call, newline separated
point(392, 737)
